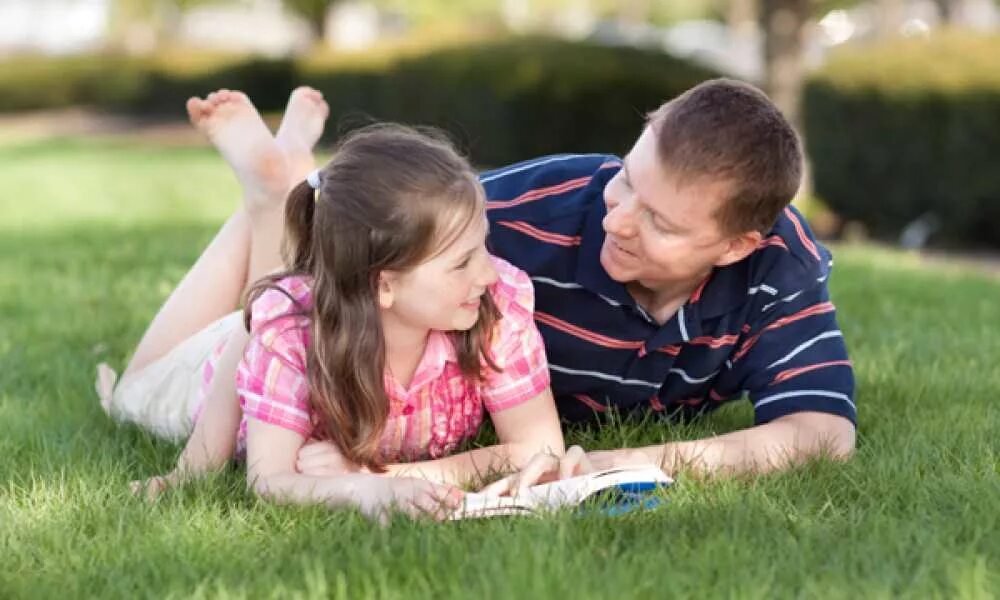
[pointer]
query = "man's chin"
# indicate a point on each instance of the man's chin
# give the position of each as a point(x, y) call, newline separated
point(614, 270)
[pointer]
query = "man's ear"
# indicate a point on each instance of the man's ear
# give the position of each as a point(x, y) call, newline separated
point(739, 247)
point(386, 289)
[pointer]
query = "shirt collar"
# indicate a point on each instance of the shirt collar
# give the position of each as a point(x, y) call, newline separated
point(589, 271)
point(438, 352)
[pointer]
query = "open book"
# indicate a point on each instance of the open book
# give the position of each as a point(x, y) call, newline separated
point(619, 490)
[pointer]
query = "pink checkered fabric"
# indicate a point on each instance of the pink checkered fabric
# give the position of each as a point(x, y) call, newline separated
point(441, 407)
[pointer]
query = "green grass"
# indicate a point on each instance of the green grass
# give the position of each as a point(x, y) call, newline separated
point(93, 236)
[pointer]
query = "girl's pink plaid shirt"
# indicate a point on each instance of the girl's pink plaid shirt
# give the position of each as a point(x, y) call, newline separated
point(441, 407)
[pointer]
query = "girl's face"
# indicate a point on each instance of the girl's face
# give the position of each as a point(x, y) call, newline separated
point(444, 292)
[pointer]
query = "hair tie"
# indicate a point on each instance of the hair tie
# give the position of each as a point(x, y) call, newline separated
point(313, 179)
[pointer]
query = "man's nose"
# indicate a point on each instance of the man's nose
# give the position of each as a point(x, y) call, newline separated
point(620, 221)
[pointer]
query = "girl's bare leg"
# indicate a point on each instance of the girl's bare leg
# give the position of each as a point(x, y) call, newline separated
point(248, 245)
point(300, 129)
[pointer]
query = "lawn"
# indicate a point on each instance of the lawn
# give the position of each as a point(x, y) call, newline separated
point(94, 235)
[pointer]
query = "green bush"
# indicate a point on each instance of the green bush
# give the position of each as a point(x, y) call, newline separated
point(502, 100)
point(911, 130)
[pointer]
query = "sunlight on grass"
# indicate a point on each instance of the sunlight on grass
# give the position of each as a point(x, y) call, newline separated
point(94, 236)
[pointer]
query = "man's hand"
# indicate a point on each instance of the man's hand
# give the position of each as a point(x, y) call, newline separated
point(548, 467)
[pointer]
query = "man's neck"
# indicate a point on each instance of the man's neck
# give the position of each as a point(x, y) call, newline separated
point(663, 301)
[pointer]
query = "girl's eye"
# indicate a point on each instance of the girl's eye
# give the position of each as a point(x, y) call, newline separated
point(462, 264)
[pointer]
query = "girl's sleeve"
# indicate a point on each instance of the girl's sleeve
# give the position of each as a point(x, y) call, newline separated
point(271, 379)
point(517, 347)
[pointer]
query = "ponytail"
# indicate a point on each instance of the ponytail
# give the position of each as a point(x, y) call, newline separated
point(296, 252)
point(300, 209)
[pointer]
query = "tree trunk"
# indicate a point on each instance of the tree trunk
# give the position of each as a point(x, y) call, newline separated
point(741, 16)
point(890, 17)
point(784, 23)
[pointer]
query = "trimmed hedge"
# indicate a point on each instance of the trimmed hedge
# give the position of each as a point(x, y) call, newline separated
point(911, 130)
point(502, 100)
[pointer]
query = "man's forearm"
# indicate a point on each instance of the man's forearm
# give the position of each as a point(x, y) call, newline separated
point(773, 446)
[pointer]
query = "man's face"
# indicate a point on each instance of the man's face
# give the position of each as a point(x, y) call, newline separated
point(661, 235)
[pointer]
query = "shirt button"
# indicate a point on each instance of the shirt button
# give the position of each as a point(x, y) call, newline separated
point(408, 410)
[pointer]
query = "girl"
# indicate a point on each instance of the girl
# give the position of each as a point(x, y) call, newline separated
point(387, 335)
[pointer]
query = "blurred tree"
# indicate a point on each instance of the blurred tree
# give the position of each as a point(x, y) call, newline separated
point(313, 11)
point(784, 24)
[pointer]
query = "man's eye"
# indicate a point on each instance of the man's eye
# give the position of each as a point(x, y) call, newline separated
point(652, 219)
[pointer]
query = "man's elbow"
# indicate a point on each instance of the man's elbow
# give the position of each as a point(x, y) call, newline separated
point(831, 436)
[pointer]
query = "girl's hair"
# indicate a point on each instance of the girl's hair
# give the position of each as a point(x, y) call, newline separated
point(391, 198)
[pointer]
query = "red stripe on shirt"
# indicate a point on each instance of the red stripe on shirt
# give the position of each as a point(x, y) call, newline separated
point(789, 373)
point(672, 350)
point(711, 342)
point(539, 234)
point(809, 245)
point(774, 240)
point(696, 296)
point(539, 193)
point(816, 309)
point(585, 334)
point(594, 404)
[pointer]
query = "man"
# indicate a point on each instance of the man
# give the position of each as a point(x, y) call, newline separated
point(677, 279)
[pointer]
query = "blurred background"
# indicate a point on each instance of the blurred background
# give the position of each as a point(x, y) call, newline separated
point(898, 100)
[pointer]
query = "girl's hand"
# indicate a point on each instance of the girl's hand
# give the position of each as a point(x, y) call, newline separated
point(323, 459)
point(413, 497)
point(151, 488)
point(543, 468)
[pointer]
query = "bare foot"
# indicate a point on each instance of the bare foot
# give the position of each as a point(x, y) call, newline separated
point(234, 126)
point(300, 129)
point(105, 385)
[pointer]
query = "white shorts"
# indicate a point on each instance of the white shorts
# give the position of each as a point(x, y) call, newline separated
point(165, 395)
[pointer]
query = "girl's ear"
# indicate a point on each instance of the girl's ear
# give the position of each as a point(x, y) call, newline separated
point(386, 288)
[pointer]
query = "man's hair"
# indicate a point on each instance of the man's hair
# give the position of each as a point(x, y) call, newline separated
point(729, 131)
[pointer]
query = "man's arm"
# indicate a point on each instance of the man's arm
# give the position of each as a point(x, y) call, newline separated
point(795, 370)
point(775, 445)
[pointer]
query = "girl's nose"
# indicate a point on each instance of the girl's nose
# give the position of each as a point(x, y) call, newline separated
point(488, 274)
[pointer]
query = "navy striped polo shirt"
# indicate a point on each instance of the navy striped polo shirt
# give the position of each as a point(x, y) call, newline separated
point(763, 328)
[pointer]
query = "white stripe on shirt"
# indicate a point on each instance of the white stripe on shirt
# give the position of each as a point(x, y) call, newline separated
point(690, 379)
point(799, 393)
point(532, 165)
point(605, 377)
point(805, 345)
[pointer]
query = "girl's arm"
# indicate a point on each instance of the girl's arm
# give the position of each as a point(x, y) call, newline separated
point(213, 440)
point(524, 430)
point(271, 452)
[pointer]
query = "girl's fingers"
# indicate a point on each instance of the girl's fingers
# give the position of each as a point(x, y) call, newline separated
point(316, 448)
point(150, 488)
point(500, 486)
point(574, 462)
point(539, 466)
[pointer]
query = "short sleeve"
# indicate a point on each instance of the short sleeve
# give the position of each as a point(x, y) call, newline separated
point(797, 360)
point(517, 347)
point(271, 379)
